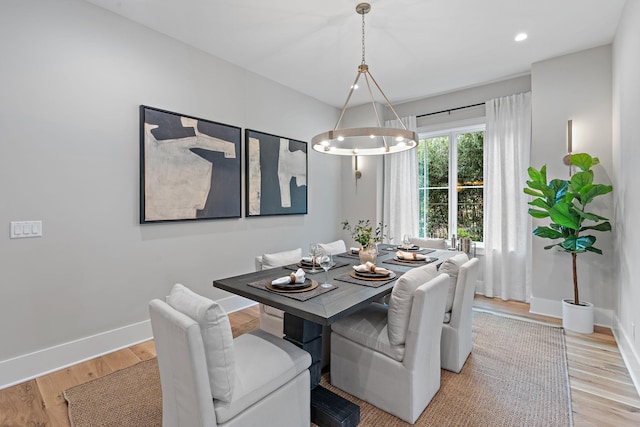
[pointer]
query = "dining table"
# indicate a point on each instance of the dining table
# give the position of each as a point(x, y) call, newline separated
point(306, 312)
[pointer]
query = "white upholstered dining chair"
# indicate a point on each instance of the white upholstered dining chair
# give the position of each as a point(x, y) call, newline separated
point(210, 379)
point(334, 248)
point(272, 319)
point(390, 356)
point(430, 242)
point(457, 339)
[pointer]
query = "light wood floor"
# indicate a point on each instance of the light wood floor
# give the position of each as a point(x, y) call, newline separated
point(602, 393)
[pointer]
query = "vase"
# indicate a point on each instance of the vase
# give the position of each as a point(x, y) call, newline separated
point(368, 254)
point(577, 318)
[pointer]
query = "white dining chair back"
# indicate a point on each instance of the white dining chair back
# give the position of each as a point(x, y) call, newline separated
point(210, 379)
point(271, 319)
point(457, 339)
point(333, 248)
point(392, 359)
point(433, 243)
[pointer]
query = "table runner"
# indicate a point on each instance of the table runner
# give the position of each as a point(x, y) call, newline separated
point(300, 296)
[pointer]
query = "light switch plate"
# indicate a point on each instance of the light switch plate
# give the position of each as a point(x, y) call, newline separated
point(23, 229)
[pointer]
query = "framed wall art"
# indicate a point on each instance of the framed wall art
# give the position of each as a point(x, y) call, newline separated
point(276, 174)
point(189, 168)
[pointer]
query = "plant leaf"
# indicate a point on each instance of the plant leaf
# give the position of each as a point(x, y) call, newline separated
point(564, 214)
point(603, 226)
point(533, 193)
point(538, 213)
point(593, 191)
point(540, 203)
point(591, 216)
point(547, 232)
point(577, 244)
point(580, 180)
point(583, 160)
point(596, 250)
point(536, 175)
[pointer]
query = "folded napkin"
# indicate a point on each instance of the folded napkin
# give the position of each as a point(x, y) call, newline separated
point(354, 250)
point(297, 277)
point(370, 267)
point(407, 247)
point(307, 259)
point(411, 256)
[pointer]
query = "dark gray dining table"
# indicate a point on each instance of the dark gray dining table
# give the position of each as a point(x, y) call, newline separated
point(304, 320)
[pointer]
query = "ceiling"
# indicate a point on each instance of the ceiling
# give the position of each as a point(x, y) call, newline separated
point(414, 48)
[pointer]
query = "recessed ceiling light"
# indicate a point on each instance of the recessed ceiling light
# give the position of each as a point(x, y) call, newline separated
point(521, 36)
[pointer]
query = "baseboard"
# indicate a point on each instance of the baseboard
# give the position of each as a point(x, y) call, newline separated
point(553, 308)
point(235, 303)
point(628, 352)
point(28, 366)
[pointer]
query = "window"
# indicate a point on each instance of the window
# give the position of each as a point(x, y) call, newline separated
point(450, 183)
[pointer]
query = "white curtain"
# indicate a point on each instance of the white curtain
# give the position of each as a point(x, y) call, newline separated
point(400, 188)
point(507, 148)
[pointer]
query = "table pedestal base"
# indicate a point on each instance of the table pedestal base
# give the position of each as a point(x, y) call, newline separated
point(327, 408)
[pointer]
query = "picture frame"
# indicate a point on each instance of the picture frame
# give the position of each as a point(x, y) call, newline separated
point(190, 168)
point(276, 173)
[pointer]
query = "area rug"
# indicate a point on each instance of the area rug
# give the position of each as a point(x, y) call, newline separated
point(516, 376)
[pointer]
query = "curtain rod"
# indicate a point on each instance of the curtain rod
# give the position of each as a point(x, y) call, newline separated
point(450, 110)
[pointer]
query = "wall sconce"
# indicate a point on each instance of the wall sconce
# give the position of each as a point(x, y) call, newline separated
point(567, 158)
point(358, 173)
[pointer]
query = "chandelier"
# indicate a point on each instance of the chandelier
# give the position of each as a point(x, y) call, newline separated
point(365, 140)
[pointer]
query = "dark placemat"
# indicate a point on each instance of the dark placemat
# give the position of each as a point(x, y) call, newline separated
point(348, 254)
point(371, 283)
point(423, 251)
point(336, 264)
point(300, 296)
point(409, 263)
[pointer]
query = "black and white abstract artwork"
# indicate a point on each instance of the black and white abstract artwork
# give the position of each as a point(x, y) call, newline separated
point(276, 174)
point(189, 168)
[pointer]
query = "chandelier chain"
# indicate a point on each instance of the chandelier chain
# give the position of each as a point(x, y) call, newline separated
point(363, 61)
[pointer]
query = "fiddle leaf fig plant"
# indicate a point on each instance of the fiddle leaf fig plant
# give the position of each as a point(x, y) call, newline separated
point(565, 204)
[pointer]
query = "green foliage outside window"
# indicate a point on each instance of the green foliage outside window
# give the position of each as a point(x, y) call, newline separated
point(433, 181)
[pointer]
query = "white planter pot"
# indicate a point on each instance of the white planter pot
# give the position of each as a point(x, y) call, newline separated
point(577, 318)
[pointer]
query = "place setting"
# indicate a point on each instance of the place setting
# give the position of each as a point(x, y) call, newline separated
point(407, 246)
point(295, 285)
point(311, 265)
point(352, 252)
point(410, 259)
point(368, 274)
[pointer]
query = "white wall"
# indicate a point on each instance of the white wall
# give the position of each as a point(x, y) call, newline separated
point(626, 156)
point(460, 98)
point(73, 78)
point(576, 87)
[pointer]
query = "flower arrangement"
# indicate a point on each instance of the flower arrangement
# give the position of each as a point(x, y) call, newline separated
point(364, 233)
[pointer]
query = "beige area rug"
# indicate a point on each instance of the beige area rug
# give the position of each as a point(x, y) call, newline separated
point(515, 376)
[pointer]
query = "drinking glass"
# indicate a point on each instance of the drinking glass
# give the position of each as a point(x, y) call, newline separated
point(326, 262)
point(406, 241)
point(313, 253)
